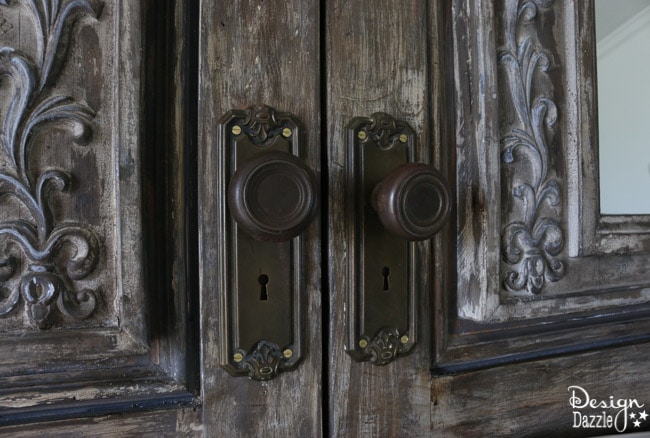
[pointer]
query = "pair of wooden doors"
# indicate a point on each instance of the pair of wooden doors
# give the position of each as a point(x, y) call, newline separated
point(529, 301)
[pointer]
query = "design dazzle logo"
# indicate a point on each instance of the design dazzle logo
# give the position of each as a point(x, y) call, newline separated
point(617, 414)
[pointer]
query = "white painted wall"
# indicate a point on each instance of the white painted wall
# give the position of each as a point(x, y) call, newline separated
point(611, 14)
point(624, 114)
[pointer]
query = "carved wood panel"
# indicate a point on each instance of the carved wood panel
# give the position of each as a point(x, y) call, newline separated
point(532, 237)
point(49, 233)
point(526, 173)
point(76, 317)
point(490, 87)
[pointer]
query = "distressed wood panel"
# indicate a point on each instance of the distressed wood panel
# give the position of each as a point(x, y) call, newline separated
point(537, 166)
point(402, 398)
point(377, 62)
point(169, 423)
point(532, 399)
point(57, 232)
point(522, 155)
point(72, 187)
point(257, 52)
point(71, 74)
point(429, 63)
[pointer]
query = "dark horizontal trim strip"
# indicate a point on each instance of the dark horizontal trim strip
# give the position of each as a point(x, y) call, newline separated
point(94, 408)
point(489, 331)
point(515, 358)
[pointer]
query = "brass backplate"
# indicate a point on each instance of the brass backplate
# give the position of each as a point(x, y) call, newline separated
point(261, 312)
point(381, 296)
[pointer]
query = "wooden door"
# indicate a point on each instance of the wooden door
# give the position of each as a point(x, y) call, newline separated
point(526, 301)
point(532, 305)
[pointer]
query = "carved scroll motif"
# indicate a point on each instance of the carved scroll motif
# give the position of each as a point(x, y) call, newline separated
point(385, 347)
point(384, 130)
point(262, 123)
point(42, 259)
point(532, 238)
point(263, 362)
point(530, 241)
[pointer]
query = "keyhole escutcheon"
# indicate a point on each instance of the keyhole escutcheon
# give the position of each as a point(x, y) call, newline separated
point(385, 272)
point(264, 293)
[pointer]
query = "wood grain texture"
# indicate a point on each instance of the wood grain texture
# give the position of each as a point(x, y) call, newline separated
point(532, 400)
point(493, 183)
point(377, 61)
point(56, 155)
point(101, 160)
point(584, 301)
point(431, 64)
point(403, 398)
point(169, 175)
point(132, 351)
point(163, 424)
point(257, 52)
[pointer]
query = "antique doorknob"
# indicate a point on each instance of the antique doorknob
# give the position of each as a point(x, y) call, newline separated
point(413, 201)
point(273, 196)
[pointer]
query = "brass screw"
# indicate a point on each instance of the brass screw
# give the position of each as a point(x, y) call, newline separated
point(403, 138)
point(236, 129)
point(238, 357)
point(286, 132)
point(404, 339)
point(363, 343)
point(362, 135)
point(287, 353)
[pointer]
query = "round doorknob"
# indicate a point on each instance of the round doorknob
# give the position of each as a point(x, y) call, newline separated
point(413, 201)
point(273, 196)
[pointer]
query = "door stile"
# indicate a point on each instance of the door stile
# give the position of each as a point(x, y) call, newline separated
point(378, 58)
point(253, 53)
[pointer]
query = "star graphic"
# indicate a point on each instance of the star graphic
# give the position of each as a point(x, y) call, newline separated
point(632, 415)
point(643, 415)
point(637, 423)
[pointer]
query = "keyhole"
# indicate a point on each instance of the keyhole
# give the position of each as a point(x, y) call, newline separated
point(264, 293)
point(385, 271)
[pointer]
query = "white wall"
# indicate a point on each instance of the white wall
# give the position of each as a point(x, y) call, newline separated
point(624, 115)
point(611, 14)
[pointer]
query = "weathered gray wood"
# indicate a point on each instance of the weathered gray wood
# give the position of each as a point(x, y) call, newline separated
point(80, 70)
point(166, 423)
point(532, 399)
point(528, 168)
point(461, 64)
point(377, 61)
point(523, 170)
point(67, 67)
point(432, 64)
point(257, 53)
point(55, 134)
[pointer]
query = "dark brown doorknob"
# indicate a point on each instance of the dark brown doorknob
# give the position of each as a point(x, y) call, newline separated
point(413, 201)
point(273, 196)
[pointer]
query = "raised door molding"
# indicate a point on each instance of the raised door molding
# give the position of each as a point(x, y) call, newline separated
point(79, 326)
point(532, 237)
point(538, 272)
point(44, 258)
